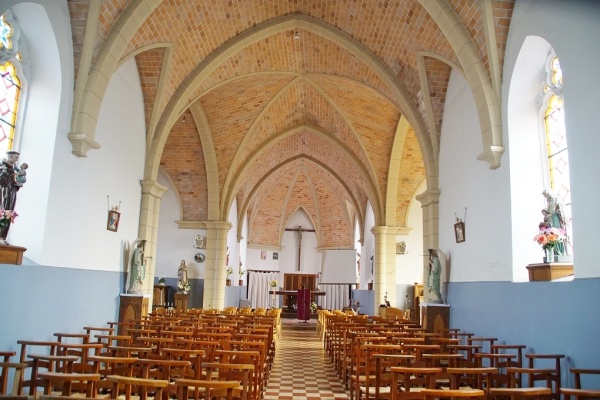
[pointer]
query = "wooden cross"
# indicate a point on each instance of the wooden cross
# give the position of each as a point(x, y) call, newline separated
point(299, 230)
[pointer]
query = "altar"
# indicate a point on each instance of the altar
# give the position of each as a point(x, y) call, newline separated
point(291, 296)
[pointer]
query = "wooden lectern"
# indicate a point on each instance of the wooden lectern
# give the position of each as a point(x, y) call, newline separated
point(303, 305)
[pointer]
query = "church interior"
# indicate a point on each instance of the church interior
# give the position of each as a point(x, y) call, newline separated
point(386, 155)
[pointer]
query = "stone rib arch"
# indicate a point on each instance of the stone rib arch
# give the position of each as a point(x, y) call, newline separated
point(161, 82)
point(261, 31)
point(425, 90)
point(244, 208)
point(233, 171)
point(394, 172)
point(228, 194)
point(210, 160)
point(87, 108)
point(477, 77)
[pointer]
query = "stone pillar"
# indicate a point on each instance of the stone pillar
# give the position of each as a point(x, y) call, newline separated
point(430, 204)
point(152, 193)
point(216, 258)
point(385, 265)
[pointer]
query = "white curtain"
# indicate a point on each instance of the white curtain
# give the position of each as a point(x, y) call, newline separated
point(258, 288)
point(337, 296)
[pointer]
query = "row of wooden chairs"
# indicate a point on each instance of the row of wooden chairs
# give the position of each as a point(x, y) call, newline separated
point(251, 344)
point(367, 353)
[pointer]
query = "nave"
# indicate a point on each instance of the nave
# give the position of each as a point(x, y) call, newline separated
point(301, 369)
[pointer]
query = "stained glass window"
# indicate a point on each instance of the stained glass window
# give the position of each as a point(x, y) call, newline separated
point(10, 90)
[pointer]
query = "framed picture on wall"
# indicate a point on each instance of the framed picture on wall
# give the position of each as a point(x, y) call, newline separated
point(275, 255)
point(459, 231)
point(113, 220)
point(263, 255)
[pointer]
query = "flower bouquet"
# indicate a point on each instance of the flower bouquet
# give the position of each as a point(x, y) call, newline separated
point(551, 240)
point(313, 307)
point(273, 283)
point(7, 217)
point(241, 272)
point(229, 271)
point(184, 286)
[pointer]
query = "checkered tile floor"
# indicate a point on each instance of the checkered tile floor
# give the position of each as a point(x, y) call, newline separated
point(301, 369)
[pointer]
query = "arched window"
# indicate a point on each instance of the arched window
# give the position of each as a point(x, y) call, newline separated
point(10, 85)
point(10, 90)
point(556, 140)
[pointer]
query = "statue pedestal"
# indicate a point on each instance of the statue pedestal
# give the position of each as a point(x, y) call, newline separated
point(549, 271)
point(435, 318)
point(132, 307)
point(11, 254)
point(181, 301)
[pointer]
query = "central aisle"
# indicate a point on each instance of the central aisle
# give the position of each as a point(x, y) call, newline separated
point(301, 369)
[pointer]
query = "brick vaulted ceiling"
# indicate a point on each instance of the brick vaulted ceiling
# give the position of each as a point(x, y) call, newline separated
point(299, 104)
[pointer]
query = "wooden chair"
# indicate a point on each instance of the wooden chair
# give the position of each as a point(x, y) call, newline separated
point(578, 392)
point(5, 368)
point(383, 372)
point(452, 394)
point(240, 373)
point(471, 378)
point(51, 363)
point(66, 383)
point(105, 366)
point(142, 387)
point(553, 377)
point(202, 389)
point(26, 346)
point(521, 393)
point(408, 382)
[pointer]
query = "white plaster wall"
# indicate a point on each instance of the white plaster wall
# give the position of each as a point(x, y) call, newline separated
point(572, 30)
point(468, 183)
point(45, 109)
point(232, 243)
point(175, 244)
point(409, 266)
point(114, 170)
point(368, 249)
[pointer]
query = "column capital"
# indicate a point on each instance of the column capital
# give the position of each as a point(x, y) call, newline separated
point(153, 188)
point(384, 230)
point(428, 197)
point(218, 225)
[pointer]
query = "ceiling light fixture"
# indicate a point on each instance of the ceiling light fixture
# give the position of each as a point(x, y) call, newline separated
point(183, 120)
point(296, 35)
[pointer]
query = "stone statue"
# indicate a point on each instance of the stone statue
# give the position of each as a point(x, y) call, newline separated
point(182, 272)
point(137, 271)
point(12, 178)
point(434, 278)
point(554, 217)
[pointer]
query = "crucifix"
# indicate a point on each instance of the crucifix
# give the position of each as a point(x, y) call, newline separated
point(299, 230)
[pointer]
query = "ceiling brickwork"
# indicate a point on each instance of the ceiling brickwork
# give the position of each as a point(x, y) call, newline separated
point(183, 161)
point(318, 96)
point(149, 77)
point(412, 174)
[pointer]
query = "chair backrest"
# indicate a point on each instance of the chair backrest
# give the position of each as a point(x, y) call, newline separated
point(204, 389)
point(240, 373)
point(139, 386)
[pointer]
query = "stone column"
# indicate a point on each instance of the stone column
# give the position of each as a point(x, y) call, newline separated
point(385, 265)
point(152, 193)
point(216, 258)
point(430, 204)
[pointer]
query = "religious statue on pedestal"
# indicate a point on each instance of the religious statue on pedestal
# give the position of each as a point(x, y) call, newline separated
point(183, 284)
point(12, 178)
point(137, 270)
point(434, 276)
